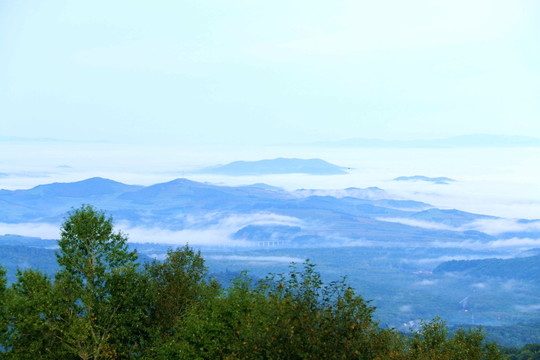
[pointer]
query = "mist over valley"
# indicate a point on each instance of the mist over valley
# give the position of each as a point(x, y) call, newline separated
point(398, 252)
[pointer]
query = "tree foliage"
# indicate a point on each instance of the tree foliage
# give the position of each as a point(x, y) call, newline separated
point(432, 342)
point(102, 305)
point(177, 284)
point(527, 352)
point(95, 267)
point(296, 316)
point(94, 308)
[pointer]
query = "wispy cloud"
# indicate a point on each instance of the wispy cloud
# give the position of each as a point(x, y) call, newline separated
point(219, 233)
point(519, 243)
point(42, 230)
point(239, 220)
point(274, 259)
point(420, 223)
point(479, 286)
point(488, 226)
point(509, 285)
point(372, 193)
point(440, 259)
point(405, 308)
point(465, 244)
point(515, 242)
point(500, 226)
point(426, 282)
point(528, 308)
point(210, 229)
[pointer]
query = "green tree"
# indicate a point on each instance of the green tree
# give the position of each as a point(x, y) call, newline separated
point(97, 306)
point(283, 317)
point(211, 329)
point(177, 284)
point(527, 352)
point(3, 308)
point(433, 342)
point(32, 316)
point(97, 286)
point(305, 318)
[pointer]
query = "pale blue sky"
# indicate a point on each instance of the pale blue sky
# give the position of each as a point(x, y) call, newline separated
point(218, 72)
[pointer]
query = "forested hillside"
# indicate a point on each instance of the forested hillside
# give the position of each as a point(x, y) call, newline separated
point(528, 267)
point(101, 304)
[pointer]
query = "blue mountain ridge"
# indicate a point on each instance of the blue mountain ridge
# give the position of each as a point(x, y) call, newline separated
point(168, 205)
point(276, 166)
point(525, 267)
point(95, 186)
point(388, 248)
point(436, 180)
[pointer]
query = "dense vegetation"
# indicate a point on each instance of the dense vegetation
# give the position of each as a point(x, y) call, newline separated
point(515, 335)
point(101, 304)
point(528, 267)
point(527, 352)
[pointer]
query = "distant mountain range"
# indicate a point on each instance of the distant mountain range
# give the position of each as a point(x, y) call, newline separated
point(525, 267)
point(393, 251)
point(478, 140)
point(435, 180)
point(311, 217)
point(276, 166)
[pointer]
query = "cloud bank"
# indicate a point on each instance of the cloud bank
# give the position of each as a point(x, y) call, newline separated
point(41, 230)
point(488, 226)
point(218, 233)
point(264, 259)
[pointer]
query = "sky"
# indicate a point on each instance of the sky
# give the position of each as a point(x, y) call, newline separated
point(275, 72)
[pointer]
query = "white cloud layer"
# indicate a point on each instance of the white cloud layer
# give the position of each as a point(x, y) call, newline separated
point(500, 226)
point(41, 230)
point(219, 234)
point(515, 242)
point(405, 308)
point(489, 226)
point(426, 282)
point(266, 259)
point(528, 308)
point(480, 286)
point(420, 223)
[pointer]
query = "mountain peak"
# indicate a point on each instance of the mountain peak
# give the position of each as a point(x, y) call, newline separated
point(88, 187)
point(277, 166)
